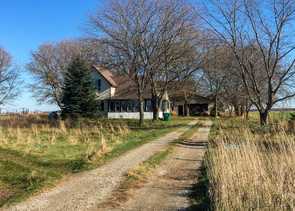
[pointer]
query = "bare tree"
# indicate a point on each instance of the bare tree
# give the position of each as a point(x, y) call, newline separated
point(152, 41)
point(260, 37)
point(222, 80)
point(174, 46)
point(8, 78)
point(50, 61)
point(216, 73)
point(127, 28)
point(177, 63)
point(235, 96)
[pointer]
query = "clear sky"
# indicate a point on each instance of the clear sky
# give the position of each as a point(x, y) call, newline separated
point(26, 24)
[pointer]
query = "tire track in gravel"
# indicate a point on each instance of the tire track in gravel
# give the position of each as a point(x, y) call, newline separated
point(171, 183)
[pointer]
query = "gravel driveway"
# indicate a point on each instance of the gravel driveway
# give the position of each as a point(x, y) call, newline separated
point(84, 191)
point(169, 186)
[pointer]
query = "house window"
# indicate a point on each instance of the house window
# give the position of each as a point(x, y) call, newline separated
point(130, 106)
point(148, 106)
point(112, 107)
point(98, 85)
point(124, 106)
point(136, 106)
point(118, 106)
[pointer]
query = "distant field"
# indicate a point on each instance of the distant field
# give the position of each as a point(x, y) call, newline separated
point(274, 116)
point(35, 154)
point(250, 167)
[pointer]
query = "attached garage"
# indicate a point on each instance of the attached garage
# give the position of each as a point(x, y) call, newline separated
point(194, 106)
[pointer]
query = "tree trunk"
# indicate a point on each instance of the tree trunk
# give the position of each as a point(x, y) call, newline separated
point(236, 107)
point(186, 109)
point(230, 111)
point(247, 115)
point(155, 107)
point(141, 112)
point(247, 109)
point(242, 109)
point(216, 110)
point(263, 117)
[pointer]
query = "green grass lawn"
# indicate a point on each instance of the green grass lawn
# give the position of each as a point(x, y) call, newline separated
point(34, 155)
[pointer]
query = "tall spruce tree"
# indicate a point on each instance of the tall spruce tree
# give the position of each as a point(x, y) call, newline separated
point(79, 96)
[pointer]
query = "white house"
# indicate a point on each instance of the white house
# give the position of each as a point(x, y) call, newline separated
point(118, 98)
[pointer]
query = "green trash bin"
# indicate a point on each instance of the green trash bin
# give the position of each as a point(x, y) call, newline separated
point(167, 116)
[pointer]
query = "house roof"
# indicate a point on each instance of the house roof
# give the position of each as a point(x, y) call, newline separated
point(108, 75)
point(128, 91)
point(126, 88)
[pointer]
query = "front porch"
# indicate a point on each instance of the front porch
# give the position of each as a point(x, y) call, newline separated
point(128, 109)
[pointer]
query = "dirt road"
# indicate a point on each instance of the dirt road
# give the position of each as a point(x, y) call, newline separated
point(169, 186)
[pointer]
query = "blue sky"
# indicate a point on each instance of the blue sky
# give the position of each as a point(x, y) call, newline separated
point(26, 24)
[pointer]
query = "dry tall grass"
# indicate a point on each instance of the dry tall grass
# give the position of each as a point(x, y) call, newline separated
point(252, 171)
point(36, 135)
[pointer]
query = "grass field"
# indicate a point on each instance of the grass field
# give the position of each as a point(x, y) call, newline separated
point(35, 154)
point(251, 167)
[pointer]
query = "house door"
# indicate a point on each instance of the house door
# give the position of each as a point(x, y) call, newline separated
point(180, 110)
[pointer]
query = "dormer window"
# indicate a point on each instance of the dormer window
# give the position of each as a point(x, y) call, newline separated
point(98, 85)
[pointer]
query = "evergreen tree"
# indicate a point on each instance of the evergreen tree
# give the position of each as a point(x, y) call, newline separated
point(79, 96)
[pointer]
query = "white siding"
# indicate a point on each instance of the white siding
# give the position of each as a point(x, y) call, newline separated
point(131, 115)
point(106, 90)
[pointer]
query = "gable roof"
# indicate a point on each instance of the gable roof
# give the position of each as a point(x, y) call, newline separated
point(107, 75)
point(125, 87)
